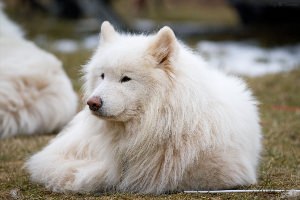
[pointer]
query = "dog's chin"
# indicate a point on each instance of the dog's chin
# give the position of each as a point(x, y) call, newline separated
point(116, 118)
point(105, 116)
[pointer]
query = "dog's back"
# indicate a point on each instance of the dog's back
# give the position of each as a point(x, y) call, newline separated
point(8, 28)
point(36, 96)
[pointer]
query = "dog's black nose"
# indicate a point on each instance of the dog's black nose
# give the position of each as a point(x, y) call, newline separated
point(94, 103)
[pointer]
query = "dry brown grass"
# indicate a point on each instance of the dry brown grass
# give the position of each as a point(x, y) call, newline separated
point(280, 160)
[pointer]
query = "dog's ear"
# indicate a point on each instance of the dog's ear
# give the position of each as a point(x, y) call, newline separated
point(164, 46)
point(107, 32)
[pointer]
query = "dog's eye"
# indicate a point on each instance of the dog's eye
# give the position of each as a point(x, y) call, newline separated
point(125, 79)
point(102, 75)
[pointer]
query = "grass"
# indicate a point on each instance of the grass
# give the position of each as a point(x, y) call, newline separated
point(73, 63)
point(280, 116)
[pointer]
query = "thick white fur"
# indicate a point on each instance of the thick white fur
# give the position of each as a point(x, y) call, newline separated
point(177, 125)
point(36, 96)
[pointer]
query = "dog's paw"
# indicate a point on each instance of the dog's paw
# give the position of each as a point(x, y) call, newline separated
point(64, 183)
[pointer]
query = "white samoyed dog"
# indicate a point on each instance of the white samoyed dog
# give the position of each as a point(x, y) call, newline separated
point(158, 120)
point(36, 96)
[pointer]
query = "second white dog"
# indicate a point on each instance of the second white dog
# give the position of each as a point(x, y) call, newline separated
point(36, 96)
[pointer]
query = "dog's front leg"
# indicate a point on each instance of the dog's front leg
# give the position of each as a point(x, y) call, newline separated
point(80, 159)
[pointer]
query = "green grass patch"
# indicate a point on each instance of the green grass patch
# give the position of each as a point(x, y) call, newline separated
point(182, 11)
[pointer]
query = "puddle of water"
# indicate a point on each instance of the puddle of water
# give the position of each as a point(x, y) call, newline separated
point(249, 58)
point(65, 46)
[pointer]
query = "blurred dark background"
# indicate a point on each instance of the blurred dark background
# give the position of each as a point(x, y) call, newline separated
point(243, 37)
point(270, 21)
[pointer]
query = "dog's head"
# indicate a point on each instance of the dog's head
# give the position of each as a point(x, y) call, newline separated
point(126, 71)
